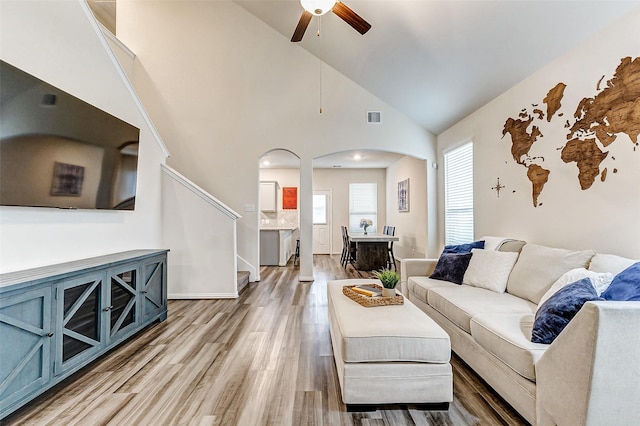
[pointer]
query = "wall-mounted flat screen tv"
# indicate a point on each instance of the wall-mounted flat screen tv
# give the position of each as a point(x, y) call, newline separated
point(58, 151)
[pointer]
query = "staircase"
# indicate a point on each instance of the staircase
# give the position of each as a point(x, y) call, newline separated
point(189, 231)
point(243, 280)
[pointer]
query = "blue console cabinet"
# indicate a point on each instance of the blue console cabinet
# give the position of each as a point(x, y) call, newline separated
point(56, 319)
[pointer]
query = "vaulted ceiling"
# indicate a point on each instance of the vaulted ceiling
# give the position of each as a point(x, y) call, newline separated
point(437, 61)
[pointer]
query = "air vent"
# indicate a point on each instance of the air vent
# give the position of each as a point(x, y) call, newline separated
point(49, 100)
point(373, 116)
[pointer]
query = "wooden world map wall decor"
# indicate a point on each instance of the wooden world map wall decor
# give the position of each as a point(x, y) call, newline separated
point(597, 122)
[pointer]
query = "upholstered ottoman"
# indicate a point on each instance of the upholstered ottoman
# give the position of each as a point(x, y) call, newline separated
point(388, 354)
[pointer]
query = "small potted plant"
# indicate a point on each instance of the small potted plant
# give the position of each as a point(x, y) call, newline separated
point(389, 280)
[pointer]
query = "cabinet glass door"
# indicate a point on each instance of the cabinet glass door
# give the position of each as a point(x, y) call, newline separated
point(79, 314)
point(154, 287)
point(123, 301)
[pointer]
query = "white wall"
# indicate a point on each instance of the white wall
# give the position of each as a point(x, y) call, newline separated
point(338, 180)
point(202, 236)
point(605, 217)
point(223, 88)
point(58, 42)
point(411, 226)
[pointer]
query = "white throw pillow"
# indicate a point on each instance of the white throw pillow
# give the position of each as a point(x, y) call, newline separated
point(490, 269)
point(600, 281)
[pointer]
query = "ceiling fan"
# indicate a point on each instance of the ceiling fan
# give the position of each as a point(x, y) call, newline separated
point(320, 7)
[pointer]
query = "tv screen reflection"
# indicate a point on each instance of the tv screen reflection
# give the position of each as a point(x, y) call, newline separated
point(58, 151)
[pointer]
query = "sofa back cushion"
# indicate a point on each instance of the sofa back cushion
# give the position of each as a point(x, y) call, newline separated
point(610, 263)
point(538, 267)
point(514, 246)
point(502, 243)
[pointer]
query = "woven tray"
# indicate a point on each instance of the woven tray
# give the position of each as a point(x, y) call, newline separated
point(371, 301)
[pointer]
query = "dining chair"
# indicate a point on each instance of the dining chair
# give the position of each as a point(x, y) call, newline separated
point(345, 246)
point(391, 260)
point(352, 250)
point(296, 256)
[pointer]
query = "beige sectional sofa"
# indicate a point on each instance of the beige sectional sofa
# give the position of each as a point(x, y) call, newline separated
point(590, 374)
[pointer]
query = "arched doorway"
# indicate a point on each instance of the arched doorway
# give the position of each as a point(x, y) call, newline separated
point(279, 207)
point(387, 172)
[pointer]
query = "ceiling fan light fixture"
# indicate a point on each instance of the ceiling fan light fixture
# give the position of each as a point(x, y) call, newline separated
point(317, 7)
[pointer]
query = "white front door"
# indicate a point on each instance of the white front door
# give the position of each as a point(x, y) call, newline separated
point(322, 221)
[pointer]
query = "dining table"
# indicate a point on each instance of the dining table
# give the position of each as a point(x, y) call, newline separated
point(371, 250)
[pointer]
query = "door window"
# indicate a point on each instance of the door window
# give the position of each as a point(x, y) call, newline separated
point(319, 209)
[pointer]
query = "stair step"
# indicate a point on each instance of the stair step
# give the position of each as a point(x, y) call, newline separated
point(243, 280)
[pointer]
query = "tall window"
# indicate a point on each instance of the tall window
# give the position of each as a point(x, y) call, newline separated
point(458, 195)
point(363, 204)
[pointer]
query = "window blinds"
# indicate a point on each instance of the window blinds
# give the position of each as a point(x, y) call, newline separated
point(363, 204)
point(458, 189)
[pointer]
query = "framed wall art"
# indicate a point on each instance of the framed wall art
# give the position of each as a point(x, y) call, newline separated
point(67, 179)
point(403, 195)
point(289, 198)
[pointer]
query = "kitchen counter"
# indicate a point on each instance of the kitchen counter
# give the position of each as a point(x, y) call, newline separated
point(276, 245)
point(278, 228)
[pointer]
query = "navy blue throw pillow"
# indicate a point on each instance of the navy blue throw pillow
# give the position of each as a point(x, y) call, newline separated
point(554, 314)
point(625, 285)
point(451, 267)
point(463, 248)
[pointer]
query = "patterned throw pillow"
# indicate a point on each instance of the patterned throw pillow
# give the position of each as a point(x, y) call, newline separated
point(451, 267)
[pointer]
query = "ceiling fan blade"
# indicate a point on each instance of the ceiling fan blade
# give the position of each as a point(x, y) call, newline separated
point(303, 23)
point(351, 18)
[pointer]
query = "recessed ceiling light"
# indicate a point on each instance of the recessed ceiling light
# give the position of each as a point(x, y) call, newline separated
point(357, 157)
point(265, 163)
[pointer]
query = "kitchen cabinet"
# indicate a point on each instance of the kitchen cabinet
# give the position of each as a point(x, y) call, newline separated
point(276, 246)
point(268, 196)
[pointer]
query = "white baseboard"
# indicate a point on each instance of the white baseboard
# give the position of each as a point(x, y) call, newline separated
point(202, 296)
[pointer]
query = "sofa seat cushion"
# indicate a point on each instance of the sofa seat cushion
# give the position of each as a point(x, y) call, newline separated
point(461, 303)
point(508, 337)
point(420, 286)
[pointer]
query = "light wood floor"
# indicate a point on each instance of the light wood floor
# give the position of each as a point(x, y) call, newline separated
point(262, 359)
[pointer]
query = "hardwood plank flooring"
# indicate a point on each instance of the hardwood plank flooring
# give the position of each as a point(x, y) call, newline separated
point(262, 359)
